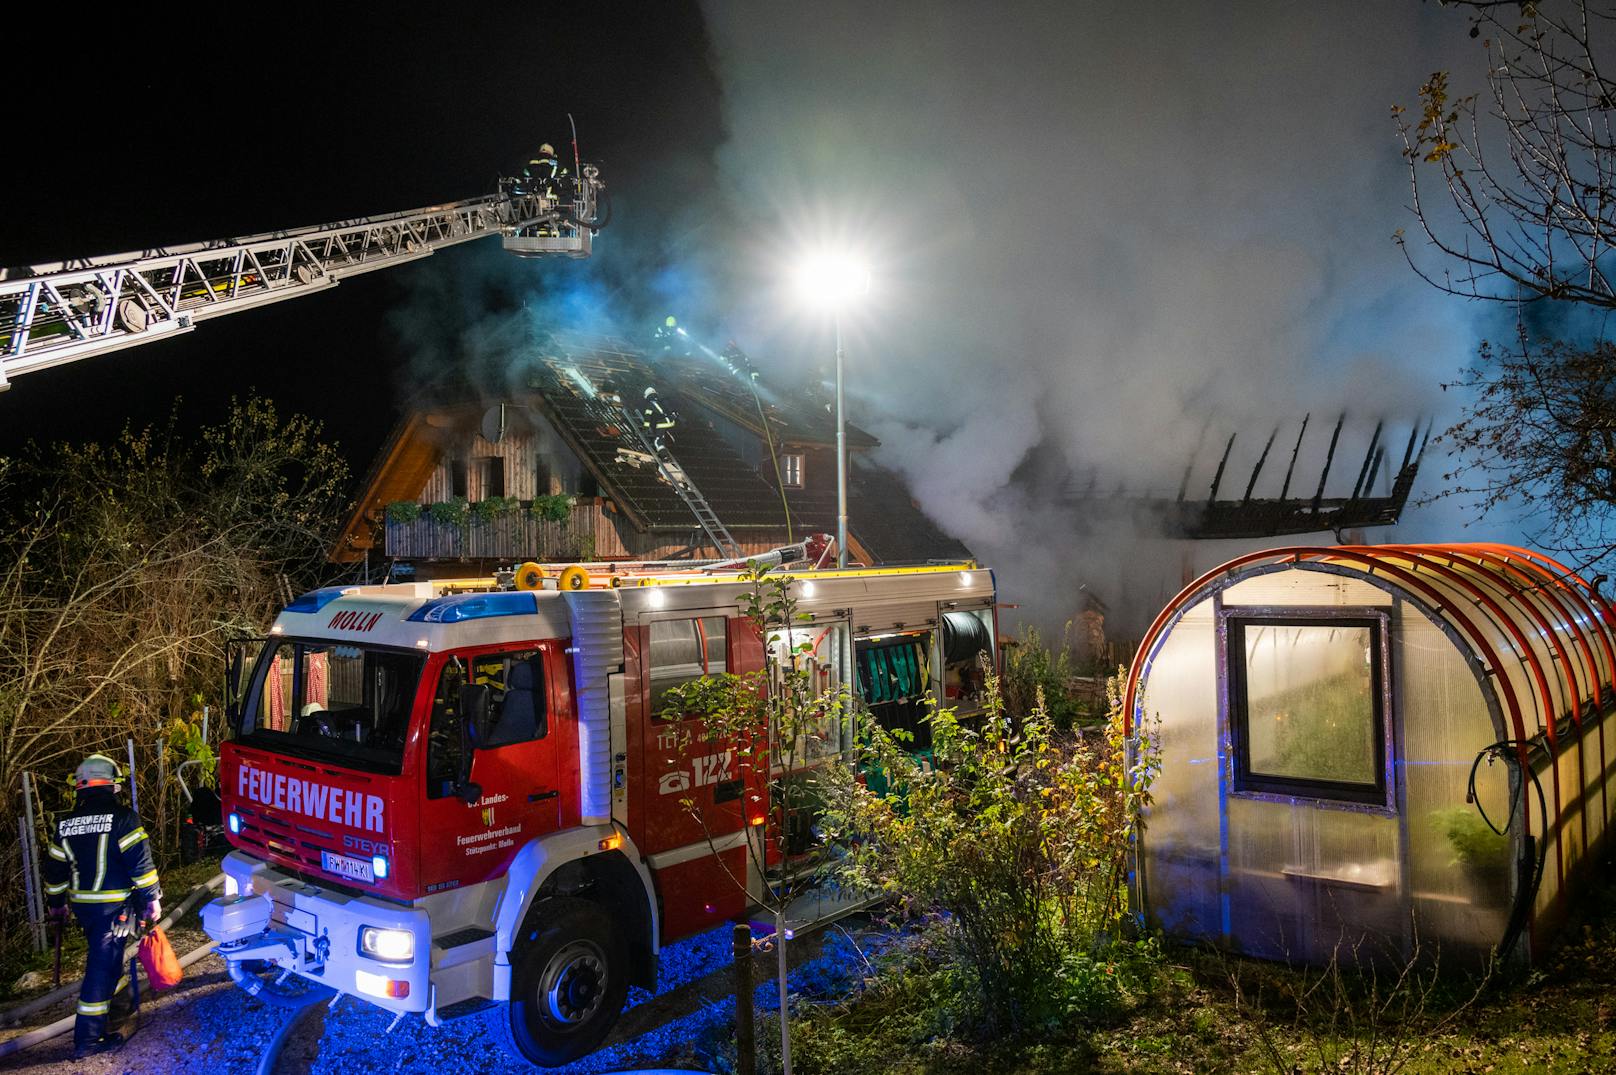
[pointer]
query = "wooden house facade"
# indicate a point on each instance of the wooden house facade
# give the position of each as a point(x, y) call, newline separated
point(551, 471)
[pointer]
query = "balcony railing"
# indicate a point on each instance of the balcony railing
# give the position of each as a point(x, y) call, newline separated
point(588, 533)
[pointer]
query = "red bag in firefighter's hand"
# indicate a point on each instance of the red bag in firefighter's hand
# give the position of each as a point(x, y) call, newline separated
point(157, 956)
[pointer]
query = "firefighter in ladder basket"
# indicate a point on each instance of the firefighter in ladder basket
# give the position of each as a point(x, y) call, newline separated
point(100, 861)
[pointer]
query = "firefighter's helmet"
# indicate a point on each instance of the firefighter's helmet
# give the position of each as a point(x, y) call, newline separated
point(547, 150)
point(96, 771)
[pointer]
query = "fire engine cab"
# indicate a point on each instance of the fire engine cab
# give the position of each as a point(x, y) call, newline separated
point(447, 795)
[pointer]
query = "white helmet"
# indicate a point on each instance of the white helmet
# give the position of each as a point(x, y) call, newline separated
point(97, 771)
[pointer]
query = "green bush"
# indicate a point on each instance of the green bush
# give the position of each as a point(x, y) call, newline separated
point(1472, 842)
point(1025, 844)
point(1032, 665)
point(555, 509)
point(403, 511)
point(449, 512)
point(493, 507)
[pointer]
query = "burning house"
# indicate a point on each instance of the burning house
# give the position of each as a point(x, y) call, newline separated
point(601, 450)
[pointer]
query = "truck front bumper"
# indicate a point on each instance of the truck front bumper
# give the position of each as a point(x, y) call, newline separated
point(316, 932)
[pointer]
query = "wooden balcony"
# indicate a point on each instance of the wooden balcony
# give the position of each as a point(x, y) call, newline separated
point(589, 533)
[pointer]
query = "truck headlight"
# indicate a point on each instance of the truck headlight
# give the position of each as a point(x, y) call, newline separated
point(387, 945)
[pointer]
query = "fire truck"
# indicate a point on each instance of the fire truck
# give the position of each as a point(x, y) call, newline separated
point(445, 796)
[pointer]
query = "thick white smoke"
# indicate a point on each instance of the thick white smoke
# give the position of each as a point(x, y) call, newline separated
point(1100, 233)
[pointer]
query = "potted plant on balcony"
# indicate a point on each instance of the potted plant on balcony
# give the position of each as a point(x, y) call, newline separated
point(554, 508)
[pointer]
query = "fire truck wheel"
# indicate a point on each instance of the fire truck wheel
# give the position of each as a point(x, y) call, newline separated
point(568, 983)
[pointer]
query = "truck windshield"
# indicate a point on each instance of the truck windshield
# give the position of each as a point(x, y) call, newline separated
point(347, 704)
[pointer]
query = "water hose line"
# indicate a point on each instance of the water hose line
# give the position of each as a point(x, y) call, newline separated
point(1530, 873)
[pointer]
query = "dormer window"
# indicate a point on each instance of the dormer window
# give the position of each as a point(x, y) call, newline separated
point(791, 470)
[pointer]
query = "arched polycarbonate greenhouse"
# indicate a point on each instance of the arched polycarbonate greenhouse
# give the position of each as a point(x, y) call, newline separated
point(1397, 749)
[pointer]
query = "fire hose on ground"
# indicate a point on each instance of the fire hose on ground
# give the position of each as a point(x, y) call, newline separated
point(45, 1033)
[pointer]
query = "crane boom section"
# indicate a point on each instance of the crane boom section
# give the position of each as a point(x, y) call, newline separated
point(61, 312)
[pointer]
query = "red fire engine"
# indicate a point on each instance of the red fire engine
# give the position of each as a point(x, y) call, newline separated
point(447, 795)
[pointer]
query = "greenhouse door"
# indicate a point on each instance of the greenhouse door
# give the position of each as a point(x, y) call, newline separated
point(1313, 863)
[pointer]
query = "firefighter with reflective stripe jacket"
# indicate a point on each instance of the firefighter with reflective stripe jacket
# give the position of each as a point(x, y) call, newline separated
point(100, 861)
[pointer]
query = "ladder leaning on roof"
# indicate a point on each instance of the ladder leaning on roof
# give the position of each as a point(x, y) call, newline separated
point(676, 476)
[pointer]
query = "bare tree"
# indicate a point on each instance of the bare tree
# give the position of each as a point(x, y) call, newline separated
point(1514, 193)
point(1526, 170)
point(124, 568)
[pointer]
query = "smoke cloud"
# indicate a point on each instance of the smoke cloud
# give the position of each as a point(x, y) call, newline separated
point(1102, 235)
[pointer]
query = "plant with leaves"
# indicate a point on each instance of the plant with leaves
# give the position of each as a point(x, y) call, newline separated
point(783, 729)
point(127, 567)
point(454, 512)
point(1035, 668)
point(403, 512)
point(554, 508)
point(491, 508)
point(1024, 843)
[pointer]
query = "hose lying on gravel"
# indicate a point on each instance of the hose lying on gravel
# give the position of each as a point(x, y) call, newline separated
point(63, 1025)
point(272, 1051)
point(23, 1011)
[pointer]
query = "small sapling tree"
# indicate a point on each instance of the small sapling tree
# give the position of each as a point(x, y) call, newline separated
point(1024, 841)
point(783, 724)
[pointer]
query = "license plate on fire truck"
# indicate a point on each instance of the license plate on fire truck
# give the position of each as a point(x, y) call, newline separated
point(343, 866)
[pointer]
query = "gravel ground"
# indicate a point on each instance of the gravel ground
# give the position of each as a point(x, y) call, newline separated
point(207, 1025)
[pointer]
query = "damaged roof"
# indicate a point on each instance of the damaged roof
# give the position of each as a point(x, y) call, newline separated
point(570, 380)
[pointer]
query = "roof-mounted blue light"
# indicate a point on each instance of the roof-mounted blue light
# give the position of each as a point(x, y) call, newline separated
point(477, 606)
point(315, 600)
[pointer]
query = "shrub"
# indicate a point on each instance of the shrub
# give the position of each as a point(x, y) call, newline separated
point(555, 509)
point(1032, 665)
point(448, 512)
point(493, 507)
point(403, 511)
point(1024, 844)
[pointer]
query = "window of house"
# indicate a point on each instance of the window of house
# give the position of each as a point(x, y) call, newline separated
point(791, 470)
point(543, 475)
point(1306, 708)
point(516, 706)
point(457, 477)
point(587, 485)
point(683, 650)
point(490, 476)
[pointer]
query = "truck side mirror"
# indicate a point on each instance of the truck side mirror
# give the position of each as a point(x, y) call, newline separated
point(232, 685)
point(235, 667)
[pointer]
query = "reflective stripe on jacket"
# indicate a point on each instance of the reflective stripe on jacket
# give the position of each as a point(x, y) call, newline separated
point(100, 854)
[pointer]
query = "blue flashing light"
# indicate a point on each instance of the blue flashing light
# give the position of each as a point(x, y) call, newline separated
point(315, 600)
point(379, 866)
point(234, 821)
point(468, 606)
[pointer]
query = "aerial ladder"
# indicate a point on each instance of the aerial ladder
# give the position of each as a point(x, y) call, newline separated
point(64, 311)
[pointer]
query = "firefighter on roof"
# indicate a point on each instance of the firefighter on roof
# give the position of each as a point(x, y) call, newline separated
point(100, 861)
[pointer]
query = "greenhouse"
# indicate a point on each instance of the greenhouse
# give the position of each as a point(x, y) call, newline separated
point(1386, 751)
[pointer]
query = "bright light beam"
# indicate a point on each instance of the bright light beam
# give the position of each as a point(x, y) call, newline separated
point(831, 280)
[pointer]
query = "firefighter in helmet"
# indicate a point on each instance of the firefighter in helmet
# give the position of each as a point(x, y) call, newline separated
point(100, 862)
point(542, 170)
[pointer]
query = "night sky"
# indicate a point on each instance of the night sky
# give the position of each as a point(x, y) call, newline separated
point(242, 118)
point(1101, 234)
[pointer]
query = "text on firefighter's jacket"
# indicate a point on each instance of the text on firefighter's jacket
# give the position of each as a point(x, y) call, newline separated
point(311, 799)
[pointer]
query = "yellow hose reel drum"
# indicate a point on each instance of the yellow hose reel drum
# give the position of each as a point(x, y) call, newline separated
point(573, 578)
point(530, 576)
